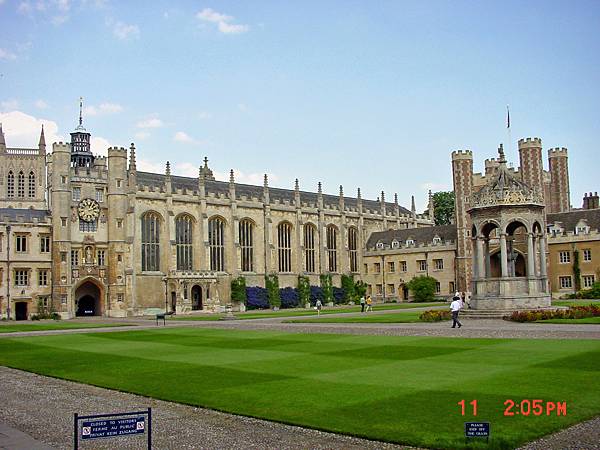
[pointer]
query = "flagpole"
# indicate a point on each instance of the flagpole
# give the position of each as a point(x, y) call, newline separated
point(508, 135)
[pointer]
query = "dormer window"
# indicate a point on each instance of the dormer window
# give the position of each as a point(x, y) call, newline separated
point(437, 240)
point(379, 245)
point(395, 244)
point(410, 242)
point(582, 228)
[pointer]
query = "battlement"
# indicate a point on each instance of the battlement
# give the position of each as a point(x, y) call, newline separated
point(22, 151)
point(557, 152)
point(462, 154)
point(530, 142)
point(61, 147)
point(117, 151)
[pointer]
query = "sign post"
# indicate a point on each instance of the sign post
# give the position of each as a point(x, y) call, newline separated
point(477, 430)
point(112, 425)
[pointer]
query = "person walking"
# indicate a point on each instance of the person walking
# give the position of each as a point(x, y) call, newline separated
point(318, 305)
point(455, 307)
point(369, 303)
point(362, 303)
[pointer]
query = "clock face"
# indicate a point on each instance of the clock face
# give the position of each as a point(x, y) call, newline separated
point(88, 210)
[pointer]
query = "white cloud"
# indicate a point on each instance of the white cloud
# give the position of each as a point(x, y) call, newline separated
point(7, 105)
point(246, 178)
point(59, 19)
point(124, 31)
point(141, 135)
point(99, 145)
point(185, 170)
point(149, 166)
point(223, 21)
point(182, 136)
point(54, 10)
point(152, 122)
point(23, 130)
point(102, 109)
point(229, 28)
point(7, 55)
point(41, 104)
point(210, 15)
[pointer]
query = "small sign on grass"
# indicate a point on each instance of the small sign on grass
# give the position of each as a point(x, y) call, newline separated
point(477, 430)
point(112, 426)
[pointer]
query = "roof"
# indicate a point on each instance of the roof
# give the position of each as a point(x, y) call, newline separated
point(23, 215)
point(569, 220)
point(422, 235)
point(222, 187)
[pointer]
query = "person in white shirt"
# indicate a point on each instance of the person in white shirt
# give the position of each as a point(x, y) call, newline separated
point(455, 307)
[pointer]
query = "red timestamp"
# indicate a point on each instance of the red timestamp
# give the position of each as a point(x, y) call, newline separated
point(523, 407)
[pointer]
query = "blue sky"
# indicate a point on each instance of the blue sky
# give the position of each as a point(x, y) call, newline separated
point(358, 93)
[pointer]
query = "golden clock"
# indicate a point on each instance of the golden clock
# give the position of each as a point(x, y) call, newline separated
point(88, 210)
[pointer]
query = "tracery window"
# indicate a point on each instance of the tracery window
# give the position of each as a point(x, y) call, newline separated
point(183, 242)
point(31, 192)
point(21, 185)
point(216, 242)
point(331, 240)
point(10, 184)
point(284, 241)
point(150, 242)
point(353, 248)
point(246, 238)
point(309, 247)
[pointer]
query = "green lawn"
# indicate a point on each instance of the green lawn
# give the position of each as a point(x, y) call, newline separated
point(586, 320)
point(309, 312)
point(58, 325)
point(399, 389)
point(401, 317)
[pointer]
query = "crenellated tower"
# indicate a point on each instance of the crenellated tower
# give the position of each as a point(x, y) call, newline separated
point(560, 193)
point(462, 177)
point(530, 160)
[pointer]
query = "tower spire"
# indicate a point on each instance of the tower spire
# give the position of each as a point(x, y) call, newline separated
point(81, 112)
point(132, 163)
point(2, 141)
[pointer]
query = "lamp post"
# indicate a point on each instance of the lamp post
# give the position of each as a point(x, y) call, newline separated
point(165, 279)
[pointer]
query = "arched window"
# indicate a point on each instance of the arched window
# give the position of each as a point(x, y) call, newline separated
point(10, 184)
point(216, 242)
point(183, 242)
point(150, 242)
point(309, 247)
point(284, 243)
point(31, 192)
point(246, 237)
point(331, 239)
point(21, 185)
point(353, 248)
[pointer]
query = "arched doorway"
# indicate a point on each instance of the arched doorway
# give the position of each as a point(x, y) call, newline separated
point(21, 311)
point(88, 300)
point(196, 298)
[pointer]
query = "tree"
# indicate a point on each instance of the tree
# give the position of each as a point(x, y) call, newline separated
point(348, 287)
point(360, 289)
point(443, 207)
point(238, 290)
point(272, 285)
point(422, 288)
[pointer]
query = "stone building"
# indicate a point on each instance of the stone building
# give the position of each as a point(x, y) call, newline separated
point(574, 236)
point(125, 242)
point(392, 258)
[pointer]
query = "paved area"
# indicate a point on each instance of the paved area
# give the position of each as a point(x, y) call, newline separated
point(13, 439)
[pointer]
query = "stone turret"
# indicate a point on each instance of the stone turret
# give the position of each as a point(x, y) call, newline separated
point(462, 178)
point(42, 142)
point(560, 193)
point(530, 159)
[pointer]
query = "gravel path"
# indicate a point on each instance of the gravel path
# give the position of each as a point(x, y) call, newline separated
point(43, 407)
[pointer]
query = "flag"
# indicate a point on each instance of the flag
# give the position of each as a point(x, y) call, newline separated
point(507, 117)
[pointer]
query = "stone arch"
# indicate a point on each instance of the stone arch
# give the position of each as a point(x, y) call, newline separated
point(513, 224)
point(196, 294)
point(89, 297)
point(218, 217)
point(185, 215)
point(487, 227)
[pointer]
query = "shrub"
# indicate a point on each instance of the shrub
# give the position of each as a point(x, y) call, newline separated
point(574, 312)
point(289, 297)
point(303, 290)
point(339, 295)
point(360, 289)
point(55, 316)
point(423, 288)
point(432, 315)
point(326, 287)
point(272, 285)
point(593, 292)
point(238, 290)
point(348, 287)
point(256, 298)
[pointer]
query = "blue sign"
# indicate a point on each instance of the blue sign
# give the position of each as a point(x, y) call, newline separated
point(477, 429)
point(113, 427)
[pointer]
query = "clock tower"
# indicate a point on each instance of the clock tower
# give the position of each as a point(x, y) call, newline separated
point(81, 155)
